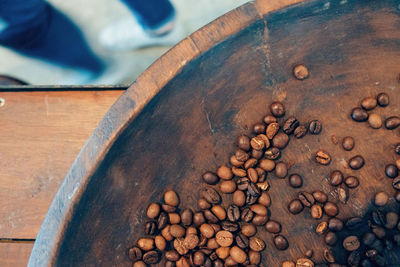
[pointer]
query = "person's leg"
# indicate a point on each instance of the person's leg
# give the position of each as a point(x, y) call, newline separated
point(35, 28)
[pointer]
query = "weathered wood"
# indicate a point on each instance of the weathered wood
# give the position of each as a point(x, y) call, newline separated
point(41, 134)
point(15, 254)
point(181, 118)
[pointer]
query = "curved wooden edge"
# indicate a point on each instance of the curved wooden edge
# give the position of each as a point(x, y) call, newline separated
point(125, 109)
point(266, 6)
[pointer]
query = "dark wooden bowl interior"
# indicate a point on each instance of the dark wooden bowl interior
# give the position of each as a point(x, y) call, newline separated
point(352, 50)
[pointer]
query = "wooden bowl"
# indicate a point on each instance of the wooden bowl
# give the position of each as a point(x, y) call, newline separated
point(182, 117)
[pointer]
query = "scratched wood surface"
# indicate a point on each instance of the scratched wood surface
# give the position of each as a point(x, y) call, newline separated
point(219, 82)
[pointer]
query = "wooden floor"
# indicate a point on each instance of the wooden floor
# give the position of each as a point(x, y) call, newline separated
point(41, 133)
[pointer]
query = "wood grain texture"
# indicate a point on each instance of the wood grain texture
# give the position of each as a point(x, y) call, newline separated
point(15, 254)
point(41, 134)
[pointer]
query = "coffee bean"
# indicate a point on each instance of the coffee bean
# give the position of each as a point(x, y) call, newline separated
point(316, 211)
point(235, 162)
point(248, 229)
point(233, 213)
point(281, 170)
point(210, 178)
point(295, 180)
point(268, 119)
point(198, 219)
point(343, 194)
point(257, 143)
point(322, 228)
point(242, 241)
point(356, 162)
point(253, 175)
point(335, 224)
point(331, 238)
point(187, 217)
point(259, 128)
point(273, 227)
point(210, 217)
point(351, 182)
point(303, 262)
point(229, 226)
point(290, 125)
point(139, 264)
point(368, 103)
point(262, 175)
point(336, 178)
point(153, 210)
point(243, 142)
point(320, 196)
point(219, 212)
point(328, 255)
point(300, 72)
point(177, 231)
point(150, 228)
point(368, 239)
point(391, 171)
point(243, 183)
point(331, 209)
point(259, 209)
point(135, 254)
point(203, 204)
point(224, 238)
point(207, 230)
point(171, 198)
point(166, 233)
point(315, 127)
point(306, 199)
point(396, 183)
point(237, 254)
point(146, 244)
point(381, 199)
point(238, 172)
point(354, 258)
point(272, 153)
point(210, 194)
point(322, 157)
point(281, 242)
point(250, 199)
point(217, 263)
point(391, 220)
point(239, 198)
point(300, 132)
point(392, 122)
point(168, 208)
point(256, 244)
point(354, 223)
point(174, 218)
point(253, 190)
point(198, 258)
point(151, 257)
point(295, 206)
point(277, 109)
point(172, 255)
point(280, 140)
point(191, 241)
point(378, 231)
point(260, 220)
point(375, 121)
point(222, 252)
point(351, 243)
point(378, 218)
point(267, 165)
point(348, 143)
point(359, 114)
point(254, 257)
point(288, 264)
point(383, 99)
point(247, 215)
point(264, 199)
point(183, 262)
point(272, 130)
point(224, 172)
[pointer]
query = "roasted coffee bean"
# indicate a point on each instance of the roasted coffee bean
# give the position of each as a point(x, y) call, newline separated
point(281, 242)
point(320, 196)
point(343, 194)
point(198, 258)
point(210, 178)
point(267, 165)
point(263, 186)
point(239, 198)
point(222, 252)
point(259, 128)
point(295, 206)
point(174, 218)
point(253, 175)
point(397, 148)
point(248, 229)
point(203, 204)
point(224, 238)
point(243, 183)
point(171, 198)
point(259, 209)
point(316, 211)
point(378, 231)
point(191, 241)
point(172, 255)
point(217, 263)
point(336, 178)
point(391, 220)
point(391, 171)
point(303, 262)
point(306, 198)
point(328, 255)
point(177, 231)
point(280, 140)
point(378, 218)
point(272, 153)
point(315, 127)
point(351, 182)
point(368, 239)
point(229, 226)
point(300, 72)
point(150, 228)
point(135, 254)
point(210, 217)
point(210, 194)
point(255, 154)
point(224, 172)
point(288, 264)
point(335, 224)
point(359, 114)
point(383, 99)
point(242, 241)
point(254, 257)
point(168, 208)
point(331, 238)
point(268, 119)
point(162, 220)
point(264, 199)
point(247, 215)
point(322, 157)
point(153, 210)
point(277, 109)
point(351, 243)
point(187, 217)
point(356, 162)
point(281, 170)
point(273, 227)
point(259, 220)
point(354, 223)
point(253, 190)
point(322, 228)
point(250, 199)
point(256, 244)
point(139, 264)
point(295, 180)
point(207, 230)
point(272, 130)
point(368, 103)
point(257, 143)
point(146, 244)
point(300, 132)
point(235, 162)
point(354, 258)
point(151, 257)
point(237, 254)
point(348, 143)
point(183, 262)
point(331, 209)
point(392, 122)
point(381, 199)
point(290, 125)
point(243, 142)
point(198, 219)
point(233, 213)
point(262, 175)
point(166, 233)
point(219, 212)
point(375, 121)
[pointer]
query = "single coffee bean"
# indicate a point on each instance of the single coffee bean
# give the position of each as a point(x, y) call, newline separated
point(391, 220)
point(242, 241)
point(247, 215)
point(153, 210)
point(253, 175)
point(254, 257)
point(261, 174)
point(316, 211)
point(320, 196)
point(139, 264)
point(224, 172)
point(356, 162)
point(322, 228)
point(172, 255)
point(281, 170)
point(343, 194)
point(300, 72)
point(315, 127)
point(259, 209)
point(233, 213)
point(300, 132)
point(335, 224)
point(331, 238)
point(392, 122)
point(239, 198)
point(368, 103)
point(259, 128)
point(187, 217)
point(375, 121)
point(243, 142)
point(135, 254)
point(328, 255)
point(174, 218)
point(331, 209)
point(295, 180)
point(235, 162)
point(210, 194)
point(198, 258)
point(322, 157)
point(171, 198)
point(198, 218)
point(248, 230)
point(264, 199)
point(354, 258)
point(177, 231)
point(256, 244)
point(396, 183)
point(253, 190)
point(224, 238)
point(295, 206)
point(336, 178)
point(168, 208)
point(348, 143)
point(306, 198)
point(146, 244)
point(229, 226)
point(354, 223)
point(267, 165)
point(222, 252)
point(237, 254)
point(273, 227)
point(210, 178)
point(391, 171)
point(151, 257)
point(166, 233)
point(277, 109)
point(281, 242)
point(382, 99)
point(268, 119)
point(210, 217)
point(257, 143)
point(378, 231)
point(304, 262)
point(272, 130)
point(217, 263)
point(378, 217)
point(191, 241)
point(288, 264)
point(280, 140)
point(183, 262)
point(260, 220)
point(203, 204)
point(381, 199)
point(351, 243)
point(243, 183)
point(290, 125)
point(150, 228)
point(368, 239)
point(207, 230)
point(359, 114)
point(351, 182)
point(272, 153)
point(219, 212)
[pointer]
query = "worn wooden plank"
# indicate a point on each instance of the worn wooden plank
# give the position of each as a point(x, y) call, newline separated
point(41, 134)
point(15, 254)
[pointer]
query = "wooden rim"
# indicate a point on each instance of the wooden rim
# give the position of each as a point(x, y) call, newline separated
point(126, 109)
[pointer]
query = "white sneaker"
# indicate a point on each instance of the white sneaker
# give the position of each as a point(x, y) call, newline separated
point(128, 34)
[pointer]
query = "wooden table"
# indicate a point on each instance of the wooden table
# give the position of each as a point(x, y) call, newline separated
point(43, 130)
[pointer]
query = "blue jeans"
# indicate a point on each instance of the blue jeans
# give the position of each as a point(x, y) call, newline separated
point(35, 28)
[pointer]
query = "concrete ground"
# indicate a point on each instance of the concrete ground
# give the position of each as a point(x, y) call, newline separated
point(92, 16)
